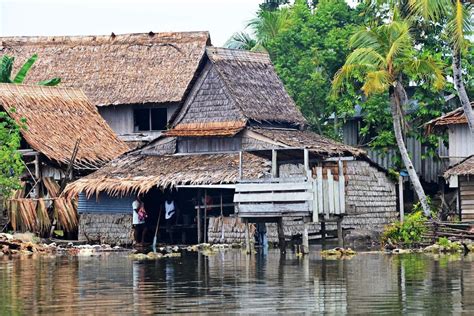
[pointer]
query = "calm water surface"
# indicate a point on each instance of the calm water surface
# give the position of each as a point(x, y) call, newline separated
point(231, 282)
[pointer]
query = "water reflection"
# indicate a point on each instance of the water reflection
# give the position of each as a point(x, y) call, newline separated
point(234, 282)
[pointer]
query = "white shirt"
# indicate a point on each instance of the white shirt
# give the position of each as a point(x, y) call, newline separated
point(136, 220)
point(169, 208)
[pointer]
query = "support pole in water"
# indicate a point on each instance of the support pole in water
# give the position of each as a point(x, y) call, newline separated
point(247, 236)
point(205, 216)
point(305, 237)
point(281, 236)
point(340, 237)
point(198, 219)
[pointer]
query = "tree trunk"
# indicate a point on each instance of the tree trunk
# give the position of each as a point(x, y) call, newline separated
point(459, 84)
point(396, 95)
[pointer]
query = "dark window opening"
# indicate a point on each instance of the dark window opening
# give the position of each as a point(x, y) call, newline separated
point(150, 119)
point(159, 119)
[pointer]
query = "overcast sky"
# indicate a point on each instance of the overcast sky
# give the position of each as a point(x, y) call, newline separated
point(94, 17)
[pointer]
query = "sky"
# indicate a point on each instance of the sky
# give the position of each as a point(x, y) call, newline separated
point(101, 17)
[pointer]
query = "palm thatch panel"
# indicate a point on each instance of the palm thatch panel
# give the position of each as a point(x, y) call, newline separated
point(56, 118)
point(307, 139)
point(139, 173)
point(463, 168)
point(452, 118)
point(229, 128)
point(116, 69)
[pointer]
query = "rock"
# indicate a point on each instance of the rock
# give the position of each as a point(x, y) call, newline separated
point(400, 251)
point(152, 255)
point(140, 256)
point(5, 236)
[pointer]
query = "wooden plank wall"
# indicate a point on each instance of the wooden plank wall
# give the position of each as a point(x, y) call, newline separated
point(466, 186)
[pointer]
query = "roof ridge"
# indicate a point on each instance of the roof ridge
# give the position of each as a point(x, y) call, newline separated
point(118, 38)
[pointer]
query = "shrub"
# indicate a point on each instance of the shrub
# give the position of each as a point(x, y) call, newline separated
point(407, 233)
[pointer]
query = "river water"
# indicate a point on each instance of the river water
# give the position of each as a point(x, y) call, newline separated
point(232, 282)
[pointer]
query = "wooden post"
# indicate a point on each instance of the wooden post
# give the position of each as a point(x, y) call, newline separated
point(342, 188)
point(305, 237)
point(330, 195)
point(274, 164)
point(400, 198)
point(240, 165)
point(315, 206)
point(281, 236)
point(319, 179)
point(205, 216)
point(323, 231)
point(340, 237)
point(198, 220)
point(247, 236)
point(222, 220)
point(37, 167)
point(306, 162)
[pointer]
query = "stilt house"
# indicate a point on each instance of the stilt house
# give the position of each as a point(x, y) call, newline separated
point(137, 81)
point(461, 151)
point(239, 151)
point(63, 136)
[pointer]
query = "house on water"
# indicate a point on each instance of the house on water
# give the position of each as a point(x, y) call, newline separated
point(137, 81)
point(460, 155)
point(239, 151)
point(64, 137)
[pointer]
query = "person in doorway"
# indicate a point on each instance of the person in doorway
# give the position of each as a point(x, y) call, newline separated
point(138, 220)
point(171, 216)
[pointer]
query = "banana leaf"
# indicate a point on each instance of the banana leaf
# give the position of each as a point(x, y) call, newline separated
point(20, 76)
point(6, 66)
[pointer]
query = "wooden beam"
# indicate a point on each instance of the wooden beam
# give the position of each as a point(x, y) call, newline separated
point(272, 187)
point(319, 179)
point(274, 197)
point(281, 236)
point(330, 194)
point(340, 236)
point(247, 236)
point(306, 162)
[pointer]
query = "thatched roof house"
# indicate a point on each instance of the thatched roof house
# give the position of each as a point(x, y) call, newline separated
point(237, 105)
point(461, 176)
point(126, 76)
point(56, 118)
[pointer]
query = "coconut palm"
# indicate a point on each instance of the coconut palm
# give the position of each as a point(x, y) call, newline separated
point(459, 15)
point(6, 69)
point(244, 41)
point(383, 57)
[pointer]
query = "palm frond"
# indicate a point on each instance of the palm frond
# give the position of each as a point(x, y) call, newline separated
point(367, 38)
point(368, 57)
point(268, 24)
point(400, 40)
point(241, 40)
point(376, 82)
point(430, 9)
point(50, 82)
point(460, 23)
point(344, 74)
point(429, 69)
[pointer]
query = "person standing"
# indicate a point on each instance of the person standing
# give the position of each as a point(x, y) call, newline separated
point(171, 216)
point(138, 220)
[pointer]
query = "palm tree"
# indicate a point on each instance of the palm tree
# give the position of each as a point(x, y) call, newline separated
point(459, 14)
point(6, 69)
point(383, 56)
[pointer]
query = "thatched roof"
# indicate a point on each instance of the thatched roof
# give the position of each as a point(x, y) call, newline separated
point(463, 168)
point(454, 117)
point(235, 88)
point(307, 139)
point(139, 173)
point(116, 69)
point(56, 118)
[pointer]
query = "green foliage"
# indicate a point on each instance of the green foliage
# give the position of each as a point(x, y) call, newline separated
point(11, 165)
point(407, 233)
point(6, 69)
point(443, 241)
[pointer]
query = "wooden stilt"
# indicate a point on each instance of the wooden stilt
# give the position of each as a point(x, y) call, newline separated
point(323, 231)
point(205, 216)
point(198, 221)
point(247, 236)
point(305, 249)
point(281, 235)
point(340, 237)
point(400, 198)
